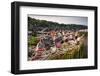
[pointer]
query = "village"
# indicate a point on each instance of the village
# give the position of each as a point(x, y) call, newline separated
point(56, 44)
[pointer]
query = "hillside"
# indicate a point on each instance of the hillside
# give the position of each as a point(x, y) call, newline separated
point(36, 24)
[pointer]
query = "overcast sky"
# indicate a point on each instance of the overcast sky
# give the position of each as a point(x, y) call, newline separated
point(62, 19)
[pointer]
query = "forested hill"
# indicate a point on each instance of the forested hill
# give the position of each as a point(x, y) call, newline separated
point(36, 24)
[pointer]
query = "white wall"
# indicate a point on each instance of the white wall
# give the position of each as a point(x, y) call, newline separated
point(5, 27)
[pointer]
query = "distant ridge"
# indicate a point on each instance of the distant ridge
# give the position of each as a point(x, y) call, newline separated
point(36, 24)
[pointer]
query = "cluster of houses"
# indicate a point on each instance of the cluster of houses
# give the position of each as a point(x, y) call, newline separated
point(53, 40)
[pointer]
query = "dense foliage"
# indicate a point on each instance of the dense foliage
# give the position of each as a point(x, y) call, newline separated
point(32, 41)
point(36, 24)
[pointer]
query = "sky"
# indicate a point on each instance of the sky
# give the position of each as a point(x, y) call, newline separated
point(62, 19)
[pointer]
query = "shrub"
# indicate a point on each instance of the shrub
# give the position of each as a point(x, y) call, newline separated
point(33, 41)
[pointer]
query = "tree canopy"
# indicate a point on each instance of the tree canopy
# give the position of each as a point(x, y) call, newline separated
point(36, 24)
